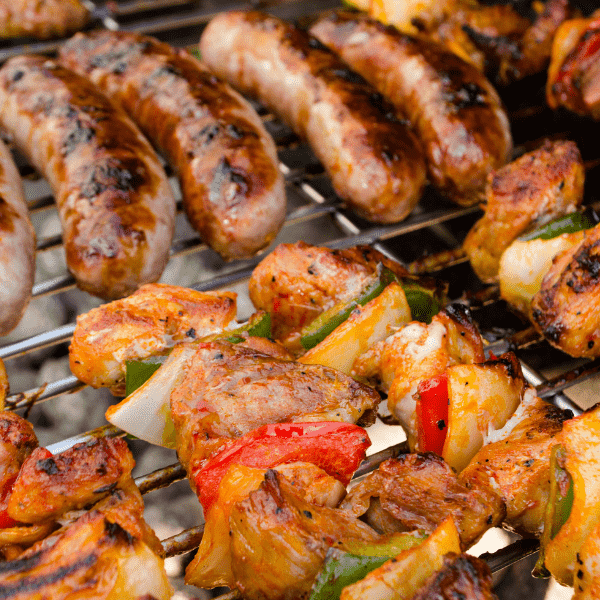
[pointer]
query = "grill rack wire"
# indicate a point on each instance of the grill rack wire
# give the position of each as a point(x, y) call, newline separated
point(180, 22)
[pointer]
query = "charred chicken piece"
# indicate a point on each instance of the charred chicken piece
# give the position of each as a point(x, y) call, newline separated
point(274, 527)
point(536, 188)
point(227, 390)
point(564, 310)
point(574, 72)
point(515, 463)
point(96, 556)
point(462, 576)
point(17, 442)
point(419, 491)
point(151, 320)
point(297, 282)
point(49, 486)
point(41, 19)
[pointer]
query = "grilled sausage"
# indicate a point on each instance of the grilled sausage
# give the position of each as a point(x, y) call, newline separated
point(114, 200)
point(17, 245)
point(41, 19)
point(233, 192)
point(454, 110)
point(373, 159)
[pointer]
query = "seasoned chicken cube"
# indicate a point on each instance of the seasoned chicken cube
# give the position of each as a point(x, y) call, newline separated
point(515, 463)
point(151, 320)
point(297, 282)
point(419, 491)
point(279, 541)
point(564, 310)
point(48, 486)
point(536, 188)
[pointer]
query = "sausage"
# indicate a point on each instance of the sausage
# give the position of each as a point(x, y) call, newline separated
point(114, 201)
point(233, 191)
point(17, 245)
point(46, 19)
point(453, 108)
point(374, 160)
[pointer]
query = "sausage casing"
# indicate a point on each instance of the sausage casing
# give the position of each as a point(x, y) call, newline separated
point(47, 19)
point(455, 111)
point(233, 192)
point(374, 160)
point(114, 201)
point(17, 245)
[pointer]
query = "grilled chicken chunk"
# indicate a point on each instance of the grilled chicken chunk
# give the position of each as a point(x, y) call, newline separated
point(536, 188)
point(574, 73)
point(17, 442)
point(94, 557)
point(564, 310)
point(515, 463)
point(462, 576)
point(297, 282)
point(151, 320)
point(41, 18)
point(418, 351)
point(227, 390)
point(419, 491)
point(49, 486)
point(279, 541)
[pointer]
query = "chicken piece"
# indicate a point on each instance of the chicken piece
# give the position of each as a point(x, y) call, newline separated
point(227, 390)
point(515, 463)
point(419, 491)
point(275, 527)
point(574, 72)
point(418, 351)
point(17, 442)
point(297, 282)
point(94, 557)
point(41, 18)
point(211, 566)
point(462, 576)
point(48, 486)
point(564, 310)
point(536, 188)
point(151, 320)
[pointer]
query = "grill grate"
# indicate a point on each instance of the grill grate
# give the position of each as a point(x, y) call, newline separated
point(316, 215)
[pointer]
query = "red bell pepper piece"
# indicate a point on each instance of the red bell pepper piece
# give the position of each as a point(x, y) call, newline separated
point(337, 448)
point(432, 414)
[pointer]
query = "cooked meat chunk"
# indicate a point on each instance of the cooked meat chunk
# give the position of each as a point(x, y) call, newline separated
point(48, 486)
point(565, 308)
point(297, 282)
point(462, 576)
point(275, 528)
point(418, 491)
point(228, 390)
point(536, 188)
point(515, 463)
point(17, 442)
point(151, 320)
point(574, 73)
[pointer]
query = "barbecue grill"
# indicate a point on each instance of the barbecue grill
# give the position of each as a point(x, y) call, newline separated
point(428, 241)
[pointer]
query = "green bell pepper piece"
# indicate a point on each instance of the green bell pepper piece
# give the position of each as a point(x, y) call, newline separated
point(571, 223)
point(137, 372)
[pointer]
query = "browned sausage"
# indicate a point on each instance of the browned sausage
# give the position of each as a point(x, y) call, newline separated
point(41, 19)
point(233, 191)
point(17, 245)
point(453, 108)
point(115, 204)
point(373, 159)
